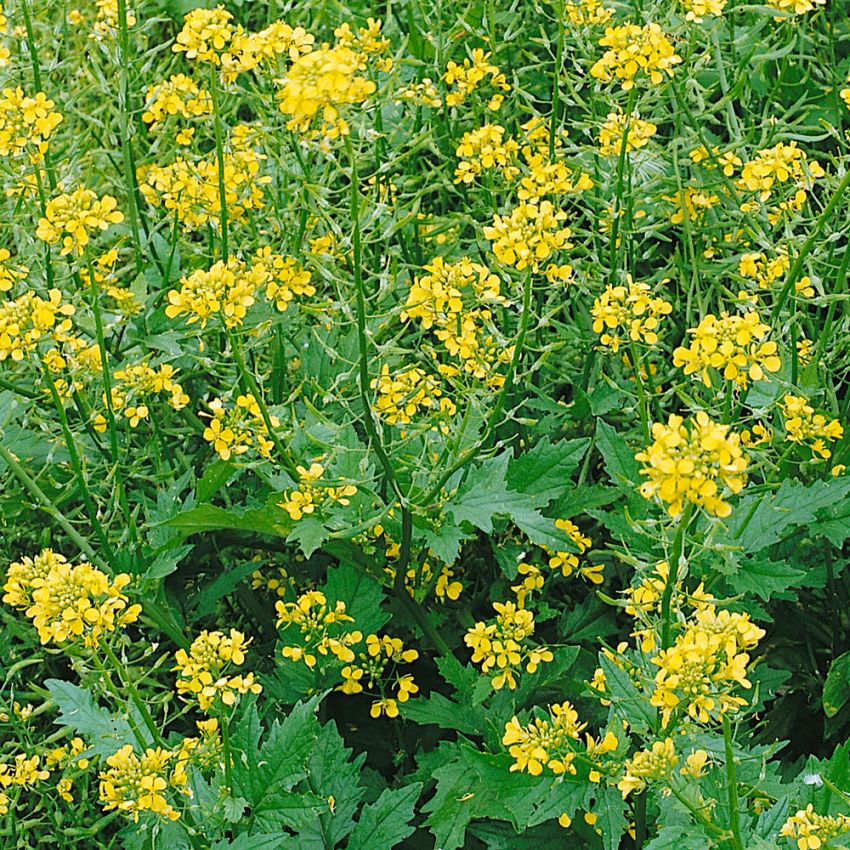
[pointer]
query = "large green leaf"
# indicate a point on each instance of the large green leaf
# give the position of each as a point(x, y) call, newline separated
point(385, 823)
point(545, 470)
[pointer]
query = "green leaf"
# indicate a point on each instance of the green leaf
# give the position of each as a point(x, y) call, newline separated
point(438, 710)
point(309, 533)
point(386, 822)
point(623, 691)
point(679, 837)
point(618, 456)
point(214, 478)
point(279, 841)
point(610, 809)
point(836, 688)
point(793, 504)
point(363, 597)
point(765, 578)
point(78, 710)
point(545, 470)
point(446, 541)
point(204, 602)
point(213, 518)
point(485, 495)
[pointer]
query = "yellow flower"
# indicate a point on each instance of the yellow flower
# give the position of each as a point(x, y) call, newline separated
point(133, 784)
point(628, 313)
point(804, 426)
point(205, 35)
point(780, 164)
point(30, 319)
point(312, 493)
point(73, 218)
point(796, 7)
point(26, 123)
point(10, 273)
point(812, 831)
point(403, 395)
point(690, 204)
point(107, 23)
point(546, 742)
point(465, 79)
point(698, 10)
point(529, 235)
point(485, 149)
point(655, 763)
point(736, 346)
point(693, 464)
point(238, 429)
point(611, 133)
point(20, 576)
point(286, 278)
point(634, 50)
point(178, 95)
point(205, 667)
point(585, 13)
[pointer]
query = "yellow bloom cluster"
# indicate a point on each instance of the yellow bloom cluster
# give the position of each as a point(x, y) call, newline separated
point(135, 384)
point(225, 290)
point(249, 50)
point(845, 94)
point(369, 667)
point(728, 161)
point(545, 742)
point(323, 630)
point(205, 668)
point(657, 762)
point(612, 131)
point(28, 319)
point(465, 79)
point(568, 562)
point(804, 426)
point(286, 278)
point(106, 278)
point(206, 33)
point(178, 95)
point(191, 190)
point(403, 395)
point(796, 7)
point(690, 204)
point(72, 217)
point(501, 646)
point(485, 149)
point(4, 60)
point(736, 346)
point(698, 10)
point(66, 602)
point(423, 93)
point(585, 13)
point(10, 273)
point(693, 464)
point(812, 831)
point(778, 165)
point(763, 270)
point(236, 430)
point(451, 301)
point(133, 784)
point(275, 579)
point(634, 50)
point(26, 123)
point(705, 662)
point(318, 84)
point(529, 235)
point(311, 493)
point(630, 313)
point(106, 24)
point(25, 772)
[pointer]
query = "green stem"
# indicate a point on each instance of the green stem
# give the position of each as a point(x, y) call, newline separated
point(673, 574)
point(50, 509)
point(119, 699)
point(219, 153)
point(644, 407)
point(556, 84)
point(732, 783)
point(227, 751)
point(613, 250)
point(127, 682)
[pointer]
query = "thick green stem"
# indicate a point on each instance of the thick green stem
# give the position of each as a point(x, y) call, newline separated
point(227, 753)
point(556, 83)
point(642, 399)
point(219, 153)
point(673, 574)
point(732, 786)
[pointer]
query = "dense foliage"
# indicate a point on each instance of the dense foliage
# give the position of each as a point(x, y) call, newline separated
point(422, 425)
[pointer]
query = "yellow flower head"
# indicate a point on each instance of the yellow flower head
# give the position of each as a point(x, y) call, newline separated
point(529, 235)
point(611, 133)
point(633, 51)
point(26, 123)
point(549, 742)
point(73, 218)
point(205, 35)
point(631, 313)
point(133, 784)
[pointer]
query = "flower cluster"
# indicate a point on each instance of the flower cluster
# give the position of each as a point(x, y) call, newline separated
point(248, 50)
point(812, 831)
point(238, 429)
point(319, 83)
point(10, 273)
point(74, 217)
point(368, 669)
point(546, 742)
point(568, 562)
point(403, 395)
point(135, 384)
point(205, 669)
point(286, 278)
point(190, 190)
point(26, 123)
point(655, 763)
point(30, 318)
point(323, 630)
point(485, 149)
point(528, 235)
point(452, 301)
point(501, 646)
point(804, 426)
point(690, 204)
point(66, 602)
point(736, 346)
point(206, 33)
point(585, 13)
point(698, 10)
point(133, 784)
point(312, 493)
point(225, 290)
point(423, 93)
point(628, 313)
point(465, 78)
point(178, 95)
point(796, 7)
point(634, 50)
point(25, 772)
point(706, 660)
point(727, 161)
point(764, 270)
point(106, 24)
point(693, 464)
point(614, 129)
